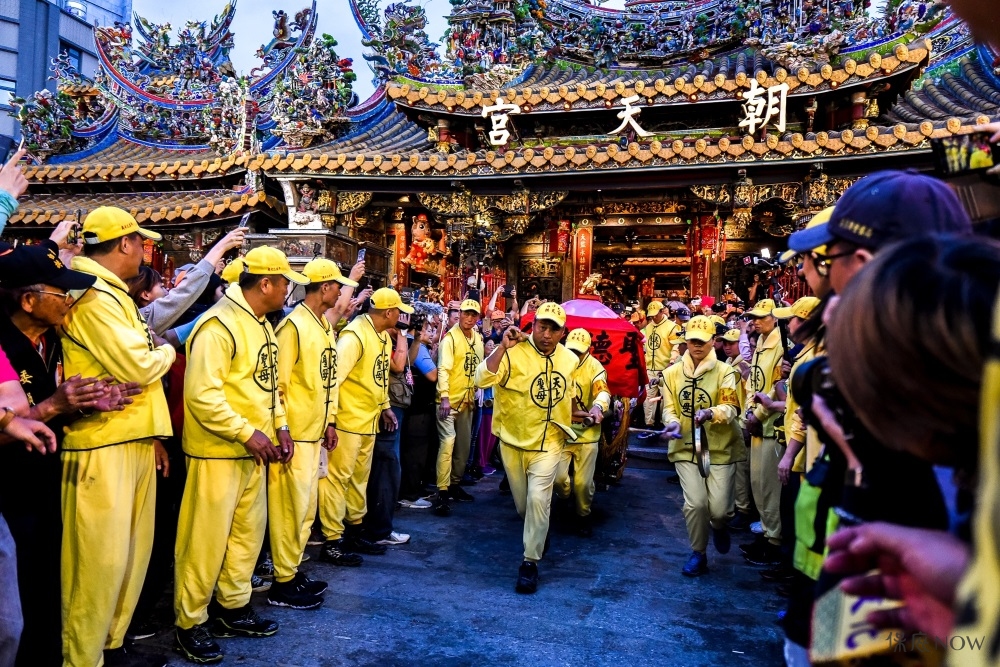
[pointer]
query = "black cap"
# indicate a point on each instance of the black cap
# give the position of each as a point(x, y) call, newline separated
point(39, 264)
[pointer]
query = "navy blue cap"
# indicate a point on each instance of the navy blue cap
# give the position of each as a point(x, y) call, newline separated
point(889, 206)
point(40, 264)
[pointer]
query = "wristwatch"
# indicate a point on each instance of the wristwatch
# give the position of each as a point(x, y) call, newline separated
point(7, 418)
point(283, 428)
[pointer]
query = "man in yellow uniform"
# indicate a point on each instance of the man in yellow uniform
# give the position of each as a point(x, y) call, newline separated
point(459, 353)
point(701, 390)
point(307, 384)
point(363, 382)
point(232, 418)
point(533, 418)
point(109, 473)
point(590, 381)
point(732, 340)
point(765, 452)
point(658, 357)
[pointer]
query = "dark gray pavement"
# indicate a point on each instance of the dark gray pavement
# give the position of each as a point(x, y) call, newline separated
point(447, 598)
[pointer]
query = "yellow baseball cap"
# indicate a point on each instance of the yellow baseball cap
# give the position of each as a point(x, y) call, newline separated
point(654, 307)
point(552, 311)
point(322, 270)
point(470, 304)
point(762, 308)
point(578, 340)
point(801, 241)
point(386, 298)
point(732, 335)
point(231, 274)
point(700, 328)
point(677, 337)
point(718, 319)
point(105, 223)
point(267, 261)
point(802, 309)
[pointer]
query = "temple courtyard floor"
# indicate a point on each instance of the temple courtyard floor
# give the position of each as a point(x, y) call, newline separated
point(447, 598)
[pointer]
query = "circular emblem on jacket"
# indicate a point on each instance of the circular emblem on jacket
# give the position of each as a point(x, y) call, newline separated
point(381, 371)
point(328, 368)
point(266, 371)
point(547, 390)
point(701, 400)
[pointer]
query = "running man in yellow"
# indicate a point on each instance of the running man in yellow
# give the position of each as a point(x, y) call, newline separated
point(702, 390)
point(363, 381)
point(459, 353)
point(232, 419)
point(593, 397)
point(109, 474)
point(533, 418)
point(658, 356)
point(307, 384)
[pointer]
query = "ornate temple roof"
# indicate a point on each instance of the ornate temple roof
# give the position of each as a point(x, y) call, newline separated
point(151, 208)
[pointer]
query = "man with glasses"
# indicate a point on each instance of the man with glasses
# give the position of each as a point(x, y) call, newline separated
point(38, 293)
point(109, 470)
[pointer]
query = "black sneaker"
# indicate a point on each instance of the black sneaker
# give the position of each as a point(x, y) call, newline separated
point(753, 547)
point(740, 522)
point(335, 552)
point(294, 595)
point(197, 645)
point(362, 545)
point(721, 539)
point(468, 480)
point(504, 487)
point(441, 506)
point(781, 574)
point(265, 569)
point(527, 578)
point(313, 586)
point(458, 493)
point(126, 656)
point(584, 526)
point(475, 472)
point(142, 630)
point(243, 622)
point(768, 554)
point(696, 565)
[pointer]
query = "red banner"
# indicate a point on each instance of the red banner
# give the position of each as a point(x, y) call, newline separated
point(559, 238)
point(582, 256)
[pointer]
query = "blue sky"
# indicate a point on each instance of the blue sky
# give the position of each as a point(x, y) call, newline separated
point(253, 25)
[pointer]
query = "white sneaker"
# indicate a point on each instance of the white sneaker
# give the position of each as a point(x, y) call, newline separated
point(418, 504)
point(394, 539)
point(757, 527)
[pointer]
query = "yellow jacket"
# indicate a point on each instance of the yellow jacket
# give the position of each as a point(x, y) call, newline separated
point(591, 382)
point(795, 425)
point(307, 373)
point(533, 408)
point(362, 377)
point(712, 385)
point(765, 370)
point(457, 361)
point(657, 346)
point(231, 381)
point(105, 335)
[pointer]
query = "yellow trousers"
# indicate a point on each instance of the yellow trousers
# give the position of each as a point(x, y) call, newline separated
point(765, 453)
point(707, 501)
point(343, 492)
point(531, 476)
point(108, 512)
point(741, 485)
point(219, 535)
point(291, 507)
point(653, 403)
point(584, 458)
point(455, 434)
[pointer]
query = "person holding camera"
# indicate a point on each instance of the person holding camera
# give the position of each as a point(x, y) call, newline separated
point(658, 351)
point(593, 400)
point(363, 366)
point(307, 384)
point(701, 391)
point(460, 352)
point(533, 418)
point(765, 451)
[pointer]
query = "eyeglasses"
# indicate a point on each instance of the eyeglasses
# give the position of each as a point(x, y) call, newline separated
point(823, 262)
point(67, 297)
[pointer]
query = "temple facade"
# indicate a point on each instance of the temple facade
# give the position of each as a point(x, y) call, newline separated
point(556, 145)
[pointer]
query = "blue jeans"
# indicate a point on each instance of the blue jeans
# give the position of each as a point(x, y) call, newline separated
point(11, 622)
point(383, 482)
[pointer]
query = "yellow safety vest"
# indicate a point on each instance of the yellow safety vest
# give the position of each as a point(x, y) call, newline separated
point(307, 373)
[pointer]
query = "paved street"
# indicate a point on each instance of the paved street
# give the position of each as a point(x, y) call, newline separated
point(447, 598)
